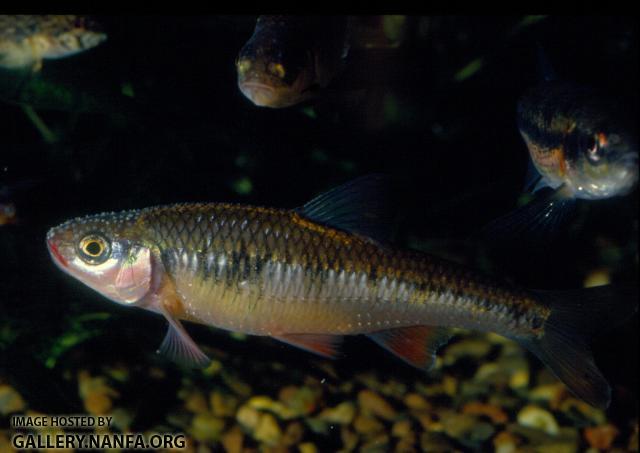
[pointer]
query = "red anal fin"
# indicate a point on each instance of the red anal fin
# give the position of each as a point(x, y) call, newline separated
point(324, 345)
point(416, 345)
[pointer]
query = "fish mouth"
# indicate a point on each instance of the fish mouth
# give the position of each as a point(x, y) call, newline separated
point(55, 253)
point(260, 94)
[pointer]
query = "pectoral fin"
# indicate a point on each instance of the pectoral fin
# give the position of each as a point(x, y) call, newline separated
point(179, 347)
point(415, 345)
point(537, 222)
point(324, 345)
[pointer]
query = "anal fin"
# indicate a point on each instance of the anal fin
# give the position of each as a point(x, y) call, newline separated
point(321, 344)
point(416, 345)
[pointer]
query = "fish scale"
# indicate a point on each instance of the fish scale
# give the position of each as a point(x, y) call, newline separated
point(295, 261)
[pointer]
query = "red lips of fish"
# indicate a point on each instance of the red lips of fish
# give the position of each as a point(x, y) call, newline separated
point(53, 248)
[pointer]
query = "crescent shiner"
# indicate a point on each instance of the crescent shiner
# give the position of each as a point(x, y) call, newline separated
point(311, 275)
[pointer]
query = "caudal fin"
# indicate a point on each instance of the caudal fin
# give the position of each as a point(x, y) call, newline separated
point(577, 316)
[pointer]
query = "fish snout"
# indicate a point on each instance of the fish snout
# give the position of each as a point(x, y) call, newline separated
point(92, 39)
point(55, 244)
point(260, 94)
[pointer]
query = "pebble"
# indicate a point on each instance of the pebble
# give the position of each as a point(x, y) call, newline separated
point(5, 442)
point(214, 367)
point(487, 371)
point(416, 401)
point(429, 422)
point(552, 394)
point(95, 393)
point(97, 403)
point(222, 405)
point(349, 439)
point(301, 400)
point(205, 427)
point(248, 417)
point(267, 430)
point(122, 419)
point(557, 447)
point(519, 379)
point(317, 426)
point(474, 347)
point(406, 445)
point(378, 443)
point(194, 401)
point(505, 442)
point(601, 437)
point(293, 434)
point(580, 412)
point(466, 429)
point(495, 413)
point(341, 414)
point(373, 403)
point(307, 447)
point(435, 443)
point(535, 417)
point(264, 403)
point(236, 385)
point(232, 440)
point(367, 425)
point(10, 400)
point(401, 428)
point(394, 388)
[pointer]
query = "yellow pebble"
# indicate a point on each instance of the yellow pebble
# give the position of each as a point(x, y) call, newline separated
point(535, 417)
point(307, 447)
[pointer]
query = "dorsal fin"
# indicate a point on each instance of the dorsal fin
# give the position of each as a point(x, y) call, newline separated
point(545, 69)
point(362, 206)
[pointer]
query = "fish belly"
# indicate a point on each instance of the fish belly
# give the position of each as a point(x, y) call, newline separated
point(286, 298)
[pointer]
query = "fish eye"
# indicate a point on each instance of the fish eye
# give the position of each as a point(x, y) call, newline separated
point(594, 149)
point(277, 70)
point(94, 248)
point(243, 65)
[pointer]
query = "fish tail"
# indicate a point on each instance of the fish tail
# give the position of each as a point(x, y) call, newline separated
point(576, 317)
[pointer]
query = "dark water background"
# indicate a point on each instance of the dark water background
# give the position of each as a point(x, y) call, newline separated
point(153, 116)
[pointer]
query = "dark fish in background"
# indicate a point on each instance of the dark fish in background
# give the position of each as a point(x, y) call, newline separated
point(580, 142)
point(25, 40)
point(289, 58)
point(310, 276)
point(7, 213)
point(9, 193)
point(582, 146)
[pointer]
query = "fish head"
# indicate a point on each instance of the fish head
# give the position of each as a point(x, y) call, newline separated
point(98, 251)
point(276, 75)
point(7, 213)
point(80, 33)
point(601, 163)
